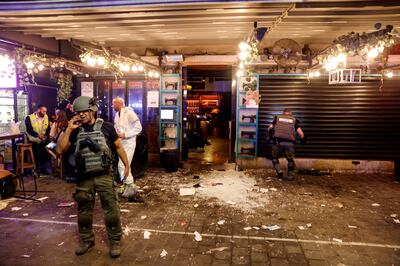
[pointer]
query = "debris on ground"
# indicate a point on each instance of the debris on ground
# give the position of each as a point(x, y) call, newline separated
point(143, 217)
point(66, 204)
point(309, 225)
point(375, 205)
point(197, 236)
point(301, 227)
point(26, 256)
point(125, 210)
point(337, 240)
point(163, 253)
point(72, 215)
point(197, 185)
point(231, 202)
point(221, 222)
point(42, 198)
point(146, 234)
point(4, 203)
point(187, 191)
point(127, 230)
point(396, 221)
point(271, 227)
point(256, 228)
point(216, 249)
point(264, 190)
point(393, 215)
point(307, 193)
point(25, 214)
point(352, 226)
point(196, 177)
point(14, 209)
point(339, 205)
point(62, 243)
point(247, 228)
point(196, 205)
point(273, 189)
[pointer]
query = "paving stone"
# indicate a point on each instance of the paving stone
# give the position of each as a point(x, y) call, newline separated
point(258, 248)
point(279, 262)
point(318, 263)
point(276, 250)
point(221, 263)
point(222, 255)
point(314, 255)
point(293, 249)
point(240, 260)
point(257, 256)
point(297, 258)
point(241, 242)
point(240, 251)
point(201, 259)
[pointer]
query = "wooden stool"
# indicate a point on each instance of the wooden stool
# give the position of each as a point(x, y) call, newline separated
point(58, 165)
point(23, 148)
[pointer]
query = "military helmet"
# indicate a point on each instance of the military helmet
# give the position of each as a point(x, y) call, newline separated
point(85, 103)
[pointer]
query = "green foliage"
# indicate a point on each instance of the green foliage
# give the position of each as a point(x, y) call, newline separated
point(65, 85)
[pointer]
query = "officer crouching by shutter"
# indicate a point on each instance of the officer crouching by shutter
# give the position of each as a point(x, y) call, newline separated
point(91, 140)
point(284, 128)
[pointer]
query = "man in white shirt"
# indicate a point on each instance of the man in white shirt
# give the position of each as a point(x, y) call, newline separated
point(128, 126)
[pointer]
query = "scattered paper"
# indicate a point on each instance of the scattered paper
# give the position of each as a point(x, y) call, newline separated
point(352, 226)
point(375, 204)
point(216, 184)
point(393, 215)
point(221, 222)
point(26, 256)
point(337, 240)
point(163, 253)
point(43, 198)
point(271, 227)
point(309, 225)
point(216, 249)
point(72, 215)
point(66, 204)
point(340, 205)
point(256, 227)
point(62, 243)
point(273, 189)
point(14, 209)
point(301, 227)
point(396, 221)
point(264, 190)
point(146, 234)
point(247, 228)
point(182, 223)
point(25, 214)
point(127, 230)
point(124, 210)
point(353, 191)
point(323, 205)
point(197, 236)
point(187, 191)
point(231, 202)
point(196, 205)
point(143, 217)
point(308, 193)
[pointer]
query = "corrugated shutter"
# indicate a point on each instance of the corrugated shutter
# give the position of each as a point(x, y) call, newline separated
point(355, 121)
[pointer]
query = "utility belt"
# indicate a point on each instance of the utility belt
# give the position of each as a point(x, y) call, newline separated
point(86, 176)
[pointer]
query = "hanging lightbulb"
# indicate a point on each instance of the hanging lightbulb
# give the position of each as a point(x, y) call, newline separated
point(41, 67)
point(29, 65)
point(150, 73)
point(156, 74)
point(233, 83)
point(140, 67)
point(311, 74)
point(244, 46)
point(317, 74)
point(134, 68)
point(389, 74)
point(87, 75)
point(101, 61)
point(91, 61)
point(239, 73)
point(243, 55)
point(372, 53)
point(241, 65)
point(381, 48)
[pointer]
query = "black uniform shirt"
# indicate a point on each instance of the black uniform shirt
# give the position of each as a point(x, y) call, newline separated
point(296, 122)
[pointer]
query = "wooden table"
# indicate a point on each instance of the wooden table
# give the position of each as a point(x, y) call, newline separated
point(13, 137)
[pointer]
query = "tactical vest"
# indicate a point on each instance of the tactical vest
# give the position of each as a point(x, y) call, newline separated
point(35, 126)
point(284, 128)
point(92, 153)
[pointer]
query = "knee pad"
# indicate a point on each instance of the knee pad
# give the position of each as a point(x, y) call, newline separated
point(82, 197)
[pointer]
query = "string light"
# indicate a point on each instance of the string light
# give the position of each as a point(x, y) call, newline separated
point(140, 67)
point(372, 53)
point(389, 74)
point(239, 73)
point(244, 46)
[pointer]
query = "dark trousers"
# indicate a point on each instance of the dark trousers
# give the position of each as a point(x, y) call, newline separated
point(85, 197)
point(40, 154)
point(286, 150)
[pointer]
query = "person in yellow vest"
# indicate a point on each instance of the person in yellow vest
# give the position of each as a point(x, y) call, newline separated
point(37, 129)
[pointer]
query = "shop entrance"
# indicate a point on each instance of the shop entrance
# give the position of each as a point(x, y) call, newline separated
point(207, 112)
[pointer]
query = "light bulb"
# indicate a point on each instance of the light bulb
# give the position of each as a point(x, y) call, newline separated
point(342, 57)
point(311, 74)
point(239, 73)
point(241, 65)
point(389, 74)
point(233, 82)
point(41, 67)
point(91, 61)
point(373, 53)
point(243, 55)
point(381, 48)
point(150, 74)
point(140, 67)
point(317, 74)
point(30, 65)
point(244, 46)
point(87, 75)
point(101, 61)
point(156, 75)
point(134, 68)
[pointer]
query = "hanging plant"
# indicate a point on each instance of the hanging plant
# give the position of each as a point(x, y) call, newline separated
point(65, 85)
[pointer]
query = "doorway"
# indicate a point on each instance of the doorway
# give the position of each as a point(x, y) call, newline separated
point(207, 111)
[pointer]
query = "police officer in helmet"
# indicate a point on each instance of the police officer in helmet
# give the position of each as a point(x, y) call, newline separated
point(91, 141)
point(283, 130)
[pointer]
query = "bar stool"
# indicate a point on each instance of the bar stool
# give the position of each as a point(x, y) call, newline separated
point(25, 149)
point(58, 165)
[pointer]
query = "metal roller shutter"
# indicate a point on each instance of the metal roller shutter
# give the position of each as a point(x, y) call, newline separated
point(354, 121)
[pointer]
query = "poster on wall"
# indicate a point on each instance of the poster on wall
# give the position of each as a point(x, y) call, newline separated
point(152, 98)
point(248, 85)
point(87, 88)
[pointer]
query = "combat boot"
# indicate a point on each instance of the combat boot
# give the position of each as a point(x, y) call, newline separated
point(115, 250)
point(84, 247)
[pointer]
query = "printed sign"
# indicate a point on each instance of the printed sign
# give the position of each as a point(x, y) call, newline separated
point(87, 88)
point(152, 98)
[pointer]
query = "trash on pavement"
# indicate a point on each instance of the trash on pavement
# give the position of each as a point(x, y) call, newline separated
point(72, 215)
point(271, 227)
point(247, 228)
point(256, 227)
point(187, 191)
point(264, 190)
point(273, 189)
point(352, 226)
point(124, 210)
point(396, 221)
point(301, 227)
point(323, 205)
point(146, 234)
point(43, 198)
point(182, 223)
point(127, 230)
point(375, 204)
point(143, 217)
point(26, 256)
point(309, 225)
point(337, 240)
point(62, 243)
point(339, 205)
point(221, 222)
point(216, 249)
point(163, 253)
point(66, 204)
point(307, 193)
point(196, 205)
point(231, 202)
point(14, 209)
point(197, 236)
point(25, 214)
point(216, 184)
point(393, 215)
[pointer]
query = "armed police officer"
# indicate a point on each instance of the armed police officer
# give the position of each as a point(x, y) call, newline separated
point(91, 141)
point(283, 130)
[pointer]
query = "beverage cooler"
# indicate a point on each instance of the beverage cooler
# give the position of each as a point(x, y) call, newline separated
point(13, 108)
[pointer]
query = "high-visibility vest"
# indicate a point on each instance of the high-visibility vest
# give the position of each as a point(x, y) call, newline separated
point(35, 126)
